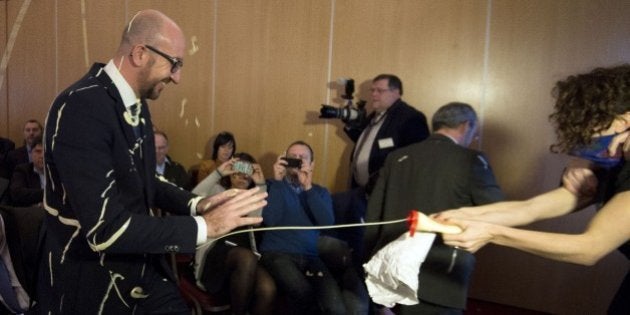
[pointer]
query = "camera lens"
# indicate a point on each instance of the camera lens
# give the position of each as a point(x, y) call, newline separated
point(328, 111)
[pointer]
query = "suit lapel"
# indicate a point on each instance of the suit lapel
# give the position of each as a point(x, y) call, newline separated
point(148, 149)
point(137, 148)
point(119, 106)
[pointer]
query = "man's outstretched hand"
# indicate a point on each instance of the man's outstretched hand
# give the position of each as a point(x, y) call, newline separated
point(228, 210)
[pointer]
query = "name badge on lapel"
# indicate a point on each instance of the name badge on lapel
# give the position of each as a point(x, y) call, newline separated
point(385, 143)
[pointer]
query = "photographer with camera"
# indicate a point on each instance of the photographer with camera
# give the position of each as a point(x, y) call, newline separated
point(291, 256)
point(392, 124)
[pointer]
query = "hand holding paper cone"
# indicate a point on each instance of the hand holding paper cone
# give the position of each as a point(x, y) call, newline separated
point(418, 221)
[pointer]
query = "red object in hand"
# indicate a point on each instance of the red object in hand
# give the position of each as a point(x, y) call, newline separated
point(412, 220)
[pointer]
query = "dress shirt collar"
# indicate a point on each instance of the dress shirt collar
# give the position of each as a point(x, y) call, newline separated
point(161, 168)
point(126, 92)
point(447, 136)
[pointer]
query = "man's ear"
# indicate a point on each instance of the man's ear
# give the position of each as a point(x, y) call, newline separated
point(138, 56)
point(463, 127)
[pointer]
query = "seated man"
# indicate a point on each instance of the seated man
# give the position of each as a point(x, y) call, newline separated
point(291, 256)
point(28, 180)
point(171, 170)
point(32, 129)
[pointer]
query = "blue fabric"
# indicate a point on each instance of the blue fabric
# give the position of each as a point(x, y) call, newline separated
point(304, 278)
point(291, 256)
point(6, 289)
point(597, 152)
point(286, 207)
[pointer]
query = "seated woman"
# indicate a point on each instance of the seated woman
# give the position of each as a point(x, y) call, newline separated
point(223, 148)
point(233, 261)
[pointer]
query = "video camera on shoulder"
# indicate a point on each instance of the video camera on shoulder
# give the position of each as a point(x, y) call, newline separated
point(347, 113)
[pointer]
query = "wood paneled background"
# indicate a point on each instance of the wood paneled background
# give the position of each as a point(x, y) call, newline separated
point(261, 69)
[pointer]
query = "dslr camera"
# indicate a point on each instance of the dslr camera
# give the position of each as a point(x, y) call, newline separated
point(347, 113)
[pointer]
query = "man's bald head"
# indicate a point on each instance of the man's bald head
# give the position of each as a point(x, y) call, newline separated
point(148, 27)
point(151, 53)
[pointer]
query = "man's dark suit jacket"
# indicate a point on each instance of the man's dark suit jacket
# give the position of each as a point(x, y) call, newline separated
point(403, 124)
point(433, 175)
point(176, 174)
point(101, 241)
point(16, 157)
point(25, 187)
point(6, 146)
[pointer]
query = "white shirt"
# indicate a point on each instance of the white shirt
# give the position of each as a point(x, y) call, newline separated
point(362, 153)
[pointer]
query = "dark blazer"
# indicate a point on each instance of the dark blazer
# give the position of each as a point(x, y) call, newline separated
point(25, 187)
point(403, 124)
point(101, 242)
point(176, 174)
point(6, 146)
point(16, 157)
point(433, 175)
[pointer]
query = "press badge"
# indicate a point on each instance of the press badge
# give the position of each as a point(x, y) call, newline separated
point(385, 143)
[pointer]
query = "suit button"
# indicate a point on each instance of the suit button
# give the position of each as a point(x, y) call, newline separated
point(175, 248)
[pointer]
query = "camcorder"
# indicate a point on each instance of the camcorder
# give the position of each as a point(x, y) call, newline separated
point(348, 113)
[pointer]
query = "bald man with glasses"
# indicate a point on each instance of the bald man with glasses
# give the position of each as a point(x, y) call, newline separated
point(103, 249)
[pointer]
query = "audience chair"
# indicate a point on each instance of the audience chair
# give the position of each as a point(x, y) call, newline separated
point(22, 226)
point(199, 300)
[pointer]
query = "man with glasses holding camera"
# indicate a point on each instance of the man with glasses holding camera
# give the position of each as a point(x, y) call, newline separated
point(291, 256)
point(392, 124)
point(103, 249)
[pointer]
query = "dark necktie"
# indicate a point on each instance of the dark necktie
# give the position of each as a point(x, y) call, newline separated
point(135, 109)
point(366, 133)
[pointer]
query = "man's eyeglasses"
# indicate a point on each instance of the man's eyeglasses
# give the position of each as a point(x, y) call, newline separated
point(176, 63)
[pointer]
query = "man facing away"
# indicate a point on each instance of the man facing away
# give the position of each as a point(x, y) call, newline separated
point(103, 250)
point(393, 124)
point(436, 174)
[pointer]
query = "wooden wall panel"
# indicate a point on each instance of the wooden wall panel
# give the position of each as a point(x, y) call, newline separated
point(30, 73)
point(435, 47)
point(262, 68)
point(271, 71)
point(184, 111)
point(532, 45)
point(88, 32)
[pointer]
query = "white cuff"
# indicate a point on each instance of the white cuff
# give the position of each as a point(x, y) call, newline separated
point(193, 205)
point(202, 230)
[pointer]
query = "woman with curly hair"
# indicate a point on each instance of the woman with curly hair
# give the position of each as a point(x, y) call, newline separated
point(591, 119)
